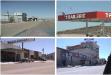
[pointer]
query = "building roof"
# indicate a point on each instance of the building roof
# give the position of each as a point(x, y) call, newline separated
point(12, 46)
point(89, 44)
point(6, 46)
point(60, 48)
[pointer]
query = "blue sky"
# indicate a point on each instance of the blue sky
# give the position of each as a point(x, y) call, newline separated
point(38, 44)
point(27, 0)
point(83, 0)
point(104, 45)
point(82, 6)
point(44, 9)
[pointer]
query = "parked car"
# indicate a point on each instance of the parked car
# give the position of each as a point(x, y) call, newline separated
point(26, 60)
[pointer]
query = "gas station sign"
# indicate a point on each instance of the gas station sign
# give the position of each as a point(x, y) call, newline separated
point(20, 40)
point(87, 15)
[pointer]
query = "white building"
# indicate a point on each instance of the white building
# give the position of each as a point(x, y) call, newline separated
point(13, 17)
point(20, 17)
point(5, 17)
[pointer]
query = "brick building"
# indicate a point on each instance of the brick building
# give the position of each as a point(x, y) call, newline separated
point(86, 53)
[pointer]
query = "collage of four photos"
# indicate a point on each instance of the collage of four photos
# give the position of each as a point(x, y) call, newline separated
point(55, 37)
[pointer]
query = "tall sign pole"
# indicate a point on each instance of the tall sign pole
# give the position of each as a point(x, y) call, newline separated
point(22, 53)
point(103, 31)
point(87, 28)
point(22, 45)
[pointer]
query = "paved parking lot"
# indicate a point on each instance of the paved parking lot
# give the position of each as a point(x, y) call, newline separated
point(46, 67)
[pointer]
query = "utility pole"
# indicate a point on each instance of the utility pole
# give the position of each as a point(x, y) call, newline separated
point(43, 55)
point(8, 15)
point(43, 51)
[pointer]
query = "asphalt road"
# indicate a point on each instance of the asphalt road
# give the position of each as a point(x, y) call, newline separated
point(29, 68)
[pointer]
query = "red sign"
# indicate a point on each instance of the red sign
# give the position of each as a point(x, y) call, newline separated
point(86, 15)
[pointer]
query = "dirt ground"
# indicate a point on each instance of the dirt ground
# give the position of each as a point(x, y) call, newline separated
point(71, 35)
point(36, 28)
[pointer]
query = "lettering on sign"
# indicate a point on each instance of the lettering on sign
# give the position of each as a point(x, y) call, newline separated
point(108, 15)
point(75, 16)
point(84, 16)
